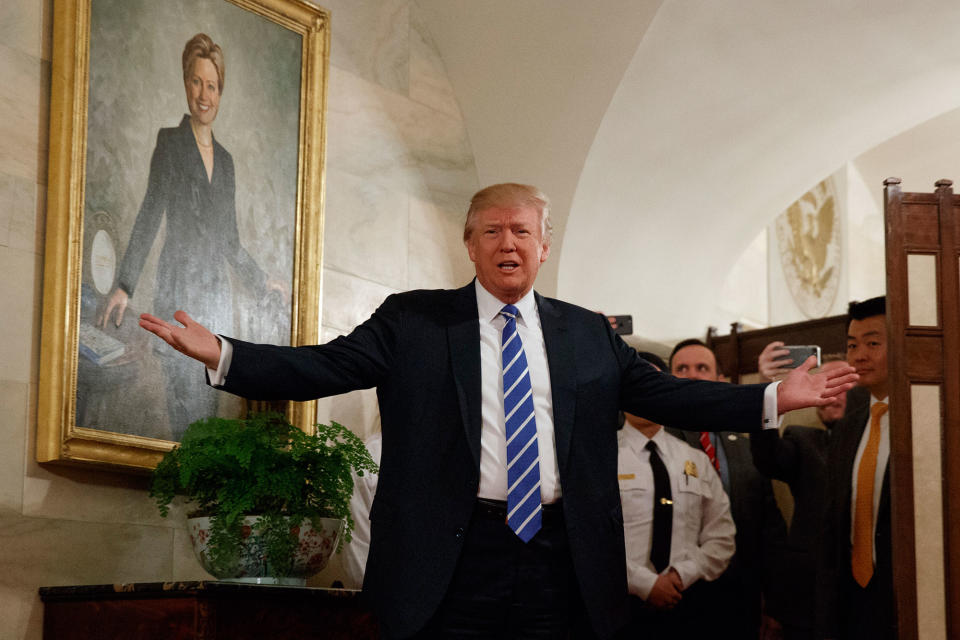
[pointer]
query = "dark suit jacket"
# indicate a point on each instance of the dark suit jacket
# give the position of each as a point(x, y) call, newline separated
point(844, 609)
point(761, 531)
point(421, 350)
point(798, 458)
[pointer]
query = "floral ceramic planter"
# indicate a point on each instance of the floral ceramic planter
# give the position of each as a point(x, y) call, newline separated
point(315, 546)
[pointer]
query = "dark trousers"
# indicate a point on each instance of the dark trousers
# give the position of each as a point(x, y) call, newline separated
point(727, 608)
point(505, 588)
point(797, 633)
point(683, 621)
point(871, 614)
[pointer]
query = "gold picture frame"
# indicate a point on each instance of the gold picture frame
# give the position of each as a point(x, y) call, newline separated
point(69, 204)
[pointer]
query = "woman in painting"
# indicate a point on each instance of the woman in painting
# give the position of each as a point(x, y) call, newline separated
point(192, 185)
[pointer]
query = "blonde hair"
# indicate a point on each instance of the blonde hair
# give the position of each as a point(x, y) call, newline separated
point(510, 195)
point(202, 46)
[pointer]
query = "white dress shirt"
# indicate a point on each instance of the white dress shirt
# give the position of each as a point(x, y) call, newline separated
point(493, 434)
point(702, 539)
point(883, 457)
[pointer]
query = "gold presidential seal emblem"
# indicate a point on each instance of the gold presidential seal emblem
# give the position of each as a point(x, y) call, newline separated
point(808, 236)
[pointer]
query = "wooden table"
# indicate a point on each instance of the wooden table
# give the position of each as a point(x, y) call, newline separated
point(205, 610)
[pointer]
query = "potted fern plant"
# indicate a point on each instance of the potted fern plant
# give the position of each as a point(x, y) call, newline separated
point(269, 501)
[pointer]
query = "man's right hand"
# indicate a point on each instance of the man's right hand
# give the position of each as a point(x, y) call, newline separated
point(192, 339)
point(667, 590)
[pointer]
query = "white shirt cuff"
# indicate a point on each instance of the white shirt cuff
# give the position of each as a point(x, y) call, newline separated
point(688, 571)
point(219, 377)
point(640, 582)
point(771, 419)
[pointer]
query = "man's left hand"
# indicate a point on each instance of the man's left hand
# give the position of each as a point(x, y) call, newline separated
point(802, 389)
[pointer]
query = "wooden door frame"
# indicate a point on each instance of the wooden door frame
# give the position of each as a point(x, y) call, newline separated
point(923, 223)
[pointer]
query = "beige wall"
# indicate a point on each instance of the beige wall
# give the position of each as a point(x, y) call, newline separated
point(399, 172)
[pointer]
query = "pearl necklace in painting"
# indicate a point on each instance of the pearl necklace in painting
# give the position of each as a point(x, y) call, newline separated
point(196, 136)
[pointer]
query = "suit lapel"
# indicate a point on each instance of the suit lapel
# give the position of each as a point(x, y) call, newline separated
point(463, 336)
point(854, 432)
point(561, 361)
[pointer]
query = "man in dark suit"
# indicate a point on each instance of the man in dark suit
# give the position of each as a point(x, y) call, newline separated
point(799, 458)
point(855, 571)
point(449, 556)
point(748, 593)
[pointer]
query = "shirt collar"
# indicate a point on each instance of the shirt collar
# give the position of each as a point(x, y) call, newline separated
point(489, 307)
point(638, 441)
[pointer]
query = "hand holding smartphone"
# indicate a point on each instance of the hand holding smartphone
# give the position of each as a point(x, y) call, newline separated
point(777, 359)
point(622, 325)
point(798, 354)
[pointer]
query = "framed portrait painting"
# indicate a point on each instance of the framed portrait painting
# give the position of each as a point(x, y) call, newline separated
point(186, 172)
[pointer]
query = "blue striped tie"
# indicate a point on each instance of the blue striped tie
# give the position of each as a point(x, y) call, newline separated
point(523, 466)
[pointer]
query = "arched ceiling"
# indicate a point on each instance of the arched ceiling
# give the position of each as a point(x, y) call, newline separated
point(534, 79)
point(670, 133)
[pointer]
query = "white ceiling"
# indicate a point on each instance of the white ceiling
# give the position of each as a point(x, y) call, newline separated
point(668, 134)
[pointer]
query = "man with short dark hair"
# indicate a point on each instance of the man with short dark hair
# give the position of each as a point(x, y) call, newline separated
point(497, 512)
point(748, 593)
point(855, 573)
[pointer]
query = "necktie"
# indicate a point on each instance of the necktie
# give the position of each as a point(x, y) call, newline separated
point(862, 555)
point(662, 511)
point(709, 449)
point(524, 512)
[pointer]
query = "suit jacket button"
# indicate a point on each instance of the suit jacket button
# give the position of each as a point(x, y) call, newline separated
point(459, 532)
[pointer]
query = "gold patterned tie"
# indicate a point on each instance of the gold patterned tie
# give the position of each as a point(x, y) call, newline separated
point(862, 556)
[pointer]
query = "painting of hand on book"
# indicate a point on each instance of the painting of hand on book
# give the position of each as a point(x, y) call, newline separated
point(106, 355)
point(123, 382)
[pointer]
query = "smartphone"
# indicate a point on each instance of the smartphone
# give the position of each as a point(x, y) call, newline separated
point(622, 325)
point(800, 353)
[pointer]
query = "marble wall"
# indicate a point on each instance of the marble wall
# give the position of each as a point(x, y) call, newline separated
point(399, 173)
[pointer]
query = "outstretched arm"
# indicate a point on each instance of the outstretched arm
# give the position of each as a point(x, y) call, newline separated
point(801, 389)
point(192, 339)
